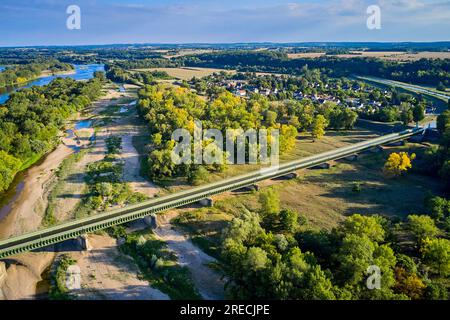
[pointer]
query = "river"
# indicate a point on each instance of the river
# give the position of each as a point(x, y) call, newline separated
point(8, 199)
point(82, 72)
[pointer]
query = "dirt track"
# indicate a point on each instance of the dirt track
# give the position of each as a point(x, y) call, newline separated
point(208, 282)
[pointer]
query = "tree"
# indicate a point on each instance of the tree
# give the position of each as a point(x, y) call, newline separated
point(362, 226)
point(100, 75)
point(418, 113)
point(436, 253)
point(197, 175)
point(445, 174)
point(441, 87)
point(271, 117)
point(104, 189)
point(270, 202)
point(398, 163)
point(443, 121)
point(294, 121)
point(407, 116)
point(288, 220)
point(439, 207)
point(422, 227)
point(355, 255)
point(318, 127)
point(409, 284)
point(9, 166)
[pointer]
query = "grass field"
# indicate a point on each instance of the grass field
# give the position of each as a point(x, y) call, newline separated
point(322, 198)
point(187, 73)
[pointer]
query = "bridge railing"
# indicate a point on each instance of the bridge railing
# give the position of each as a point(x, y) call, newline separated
point(72, 229)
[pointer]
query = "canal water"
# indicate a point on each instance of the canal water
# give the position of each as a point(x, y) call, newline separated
point(82, 72)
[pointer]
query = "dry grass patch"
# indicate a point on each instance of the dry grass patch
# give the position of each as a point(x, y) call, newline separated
point(187, 73)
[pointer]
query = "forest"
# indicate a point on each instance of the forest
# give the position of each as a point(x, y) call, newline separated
point(423, 71)
point(20, 74)
point(31, 120)
point(167, 108)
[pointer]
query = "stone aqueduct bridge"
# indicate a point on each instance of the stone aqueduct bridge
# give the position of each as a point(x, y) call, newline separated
point(74, 229)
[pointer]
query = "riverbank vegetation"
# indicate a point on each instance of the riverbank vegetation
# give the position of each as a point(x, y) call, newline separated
point(58, 286)
point(31, 120)
point(105, 184)
point(158, 264)
point(20, 74)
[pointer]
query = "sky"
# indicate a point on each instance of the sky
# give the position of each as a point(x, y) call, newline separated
point(43, 22)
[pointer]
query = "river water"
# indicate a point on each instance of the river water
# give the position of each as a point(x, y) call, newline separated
point(82, 72)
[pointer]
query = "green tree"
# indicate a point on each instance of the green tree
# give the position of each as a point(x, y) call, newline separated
point(422, 227)
point(362, 226)
point(439, 207)
point(288, 220)
point(270, 202)
point(443, 121)
point(436, 253)
point(441, 87)
point(418, 113)
point(271, 117)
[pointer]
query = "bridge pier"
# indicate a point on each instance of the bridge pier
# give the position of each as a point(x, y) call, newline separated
point(353, 157)
point(207, 202)
point(151, 221)
point(2, 273)
point(418, 138)
point(292, 175)
point(253, 187)
point(84, 243)
point(397, 143)
point(325, 165)
point(376, 149)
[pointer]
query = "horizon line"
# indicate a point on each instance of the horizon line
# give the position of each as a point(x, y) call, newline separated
point(224, 43)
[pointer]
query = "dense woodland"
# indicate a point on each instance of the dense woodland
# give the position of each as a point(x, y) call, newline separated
point(118, 74)
point(424, 71)
point(168, 108)
point(19, 74)
point(31, 119)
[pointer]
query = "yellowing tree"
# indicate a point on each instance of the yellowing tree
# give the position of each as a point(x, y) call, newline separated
point(398, 163)
point(318, 127)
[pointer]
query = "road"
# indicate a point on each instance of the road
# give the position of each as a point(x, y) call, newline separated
point(406, 86)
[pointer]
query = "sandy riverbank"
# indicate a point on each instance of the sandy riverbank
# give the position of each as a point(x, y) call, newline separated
point(107, 274)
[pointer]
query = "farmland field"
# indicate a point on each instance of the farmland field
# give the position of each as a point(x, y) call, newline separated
point(386, 55)
point(187, 73)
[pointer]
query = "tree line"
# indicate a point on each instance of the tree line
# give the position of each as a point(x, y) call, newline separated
point(274, 254)
point(19, 74)
point(423, 71)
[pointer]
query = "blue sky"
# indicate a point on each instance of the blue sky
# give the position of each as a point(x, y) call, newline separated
point(43, 22)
